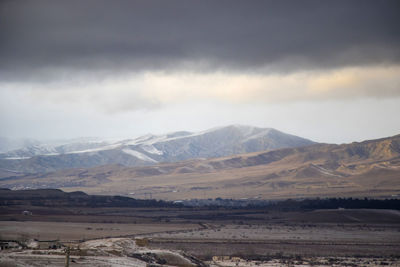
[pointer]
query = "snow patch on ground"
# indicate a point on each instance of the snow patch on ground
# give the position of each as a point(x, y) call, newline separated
point(325, 171)
point(138, 155)
point(108, 147)
point(257, 135)
point(119, 244)
point(14, 158)
point(151, 149)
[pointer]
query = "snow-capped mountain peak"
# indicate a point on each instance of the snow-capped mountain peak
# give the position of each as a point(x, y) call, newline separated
point(150, 149)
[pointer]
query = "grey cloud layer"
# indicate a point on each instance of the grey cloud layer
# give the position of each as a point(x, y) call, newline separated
point(162, 35)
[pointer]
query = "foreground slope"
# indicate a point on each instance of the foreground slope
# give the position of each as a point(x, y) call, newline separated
point(369, 168)
point(148, 149)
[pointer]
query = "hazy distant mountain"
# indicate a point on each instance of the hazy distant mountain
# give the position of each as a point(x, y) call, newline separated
point(148, 149)
point(10, 144)
point(360, 169)
point(55, 148)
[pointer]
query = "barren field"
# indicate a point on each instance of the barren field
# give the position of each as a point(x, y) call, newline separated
point(356, 234)
point(309, 261)
point(336, 237)
point(30, 259)
point(66, 231)
point(325, 239)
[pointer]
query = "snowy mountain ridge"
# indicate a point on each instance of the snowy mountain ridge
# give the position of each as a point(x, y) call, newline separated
point(150, 149)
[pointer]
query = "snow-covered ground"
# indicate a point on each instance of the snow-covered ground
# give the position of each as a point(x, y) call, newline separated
point(115, 252)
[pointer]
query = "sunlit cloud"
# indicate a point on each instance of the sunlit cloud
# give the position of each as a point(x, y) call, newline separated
point(345, 83)
point(152, 90)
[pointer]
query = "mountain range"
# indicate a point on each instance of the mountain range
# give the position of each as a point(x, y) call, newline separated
point(146, 150)
point(360, 169)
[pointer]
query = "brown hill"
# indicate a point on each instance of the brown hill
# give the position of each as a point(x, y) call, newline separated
point(369, 168)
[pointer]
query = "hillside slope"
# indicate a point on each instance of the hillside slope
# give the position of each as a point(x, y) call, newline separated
point(370, 168)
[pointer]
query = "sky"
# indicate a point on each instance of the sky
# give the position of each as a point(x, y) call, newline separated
point(324, 70)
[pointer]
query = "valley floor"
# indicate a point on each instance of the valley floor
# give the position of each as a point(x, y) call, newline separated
point(221, 237)
point(27, 259)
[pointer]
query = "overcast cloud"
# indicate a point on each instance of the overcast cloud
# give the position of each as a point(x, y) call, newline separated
point(237, 35)
point(113, 63)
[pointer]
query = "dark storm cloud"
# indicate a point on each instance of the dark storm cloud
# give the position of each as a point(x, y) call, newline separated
point(237, 35)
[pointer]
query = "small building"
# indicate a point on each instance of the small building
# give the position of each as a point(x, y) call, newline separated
point(27, 213)
point(221, 258)
point(49, 244)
